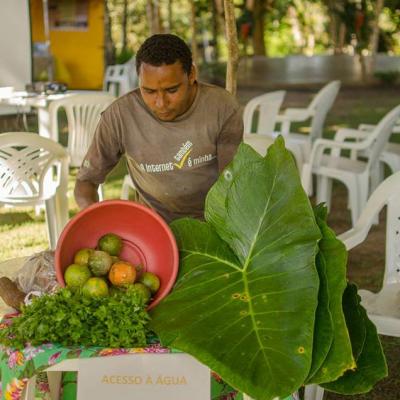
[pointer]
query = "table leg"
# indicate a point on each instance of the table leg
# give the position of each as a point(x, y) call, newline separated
point(44, 122)
point(54, 378)
point(29, 390)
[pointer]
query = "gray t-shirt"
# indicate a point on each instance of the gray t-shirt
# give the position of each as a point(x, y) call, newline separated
point(172, 164)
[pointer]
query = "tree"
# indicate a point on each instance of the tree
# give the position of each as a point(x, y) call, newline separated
point(109, 53)
point(259, 8)
point(195, 54)
point(154, 16)
point(233, 47)
point(373, 45)
point(124, 26)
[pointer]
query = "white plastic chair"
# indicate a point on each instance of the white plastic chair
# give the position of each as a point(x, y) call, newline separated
point(120, 79)
point(259, 143)
point(391, 152)
point(382, 307)
point(34, 171)
point(316, 111)
point(83, 114)
point(267, 105)
point(354, 173)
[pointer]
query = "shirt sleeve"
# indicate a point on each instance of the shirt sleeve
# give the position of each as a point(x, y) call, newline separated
point(229, 138)
point(103, 154)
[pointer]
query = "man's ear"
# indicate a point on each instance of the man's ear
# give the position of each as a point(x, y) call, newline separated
point(193, 74)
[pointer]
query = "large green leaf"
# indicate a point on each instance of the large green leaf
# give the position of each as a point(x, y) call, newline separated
point(339, 358)
point(246, 295)
point(355, 319)
point(371, 363)
point(215, 208)
point(323, 329)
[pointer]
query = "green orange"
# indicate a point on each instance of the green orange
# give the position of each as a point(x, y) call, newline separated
point(143, 291)
point(82, 256)
point(95, 287)
point(152, 281)
point(76, 275)
point(111, 243)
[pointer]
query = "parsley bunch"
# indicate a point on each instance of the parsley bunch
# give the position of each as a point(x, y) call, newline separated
point(72, 319)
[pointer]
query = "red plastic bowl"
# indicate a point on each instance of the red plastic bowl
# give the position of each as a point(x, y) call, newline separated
point(146, 236)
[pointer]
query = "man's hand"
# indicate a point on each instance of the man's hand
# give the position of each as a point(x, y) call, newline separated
point(85, 193)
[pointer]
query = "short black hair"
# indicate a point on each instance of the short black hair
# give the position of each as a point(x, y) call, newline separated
point(164, 49)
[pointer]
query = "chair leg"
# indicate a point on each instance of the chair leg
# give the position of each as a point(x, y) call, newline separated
point(61, 209)
point(354, 204)
point(313, 392)
point(377, 176)
point(324, 190)
point(100, 192)
point(51, 221)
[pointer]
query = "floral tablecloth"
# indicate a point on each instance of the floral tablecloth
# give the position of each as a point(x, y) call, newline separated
point(17, 366)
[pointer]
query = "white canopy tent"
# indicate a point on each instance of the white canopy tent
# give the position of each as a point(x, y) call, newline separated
point(15, 46)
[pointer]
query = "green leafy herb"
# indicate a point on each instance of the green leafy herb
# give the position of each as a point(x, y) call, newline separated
point(70, 319)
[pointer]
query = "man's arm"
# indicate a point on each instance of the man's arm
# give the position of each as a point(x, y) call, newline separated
point(85, 193)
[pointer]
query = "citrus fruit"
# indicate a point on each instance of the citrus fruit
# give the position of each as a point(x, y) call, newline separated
point(151, 280)
point(100, 263)
point(95, 287)
point(82, 256)
point(110, 243)
point(143, 291)
point(115, 259)
point(76, 275)
point(122, 273)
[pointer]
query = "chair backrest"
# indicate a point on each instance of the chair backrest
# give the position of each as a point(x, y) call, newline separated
point(83, 113)
point(387, 193)
point(259, 143)
point(380, 135)
point(319, 107)
point(268, 106)
point(120, 79)
point(27, 173)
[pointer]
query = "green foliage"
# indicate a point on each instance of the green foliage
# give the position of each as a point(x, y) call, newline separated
point(123, 56)
point(71, 319)
point(248, 278)
point(387, 77)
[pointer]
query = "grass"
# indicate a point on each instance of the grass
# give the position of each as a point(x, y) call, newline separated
point(22, 233)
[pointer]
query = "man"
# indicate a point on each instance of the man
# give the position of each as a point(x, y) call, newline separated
point(177, 134)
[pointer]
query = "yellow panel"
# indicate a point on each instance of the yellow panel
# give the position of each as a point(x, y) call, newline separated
point(79, 55)
point(37, 21)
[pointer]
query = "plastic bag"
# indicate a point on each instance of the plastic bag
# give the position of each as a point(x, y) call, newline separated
point(38, 274)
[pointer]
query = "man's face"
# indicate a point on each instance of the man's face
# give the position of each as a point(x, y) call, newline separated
point(167, 90)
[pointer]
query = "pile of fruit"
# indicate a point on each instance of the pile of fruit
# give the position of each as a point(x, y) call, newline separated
point(99, 272)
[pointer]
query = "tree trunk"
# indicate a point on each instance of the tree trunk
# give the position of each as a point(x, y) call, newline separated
point(258, 32)
point(233, 47)
point(169, 15)
point(153, 16)
point(124, 25)
point(109, 48)
point(195, 53)
point(215, 29)
point(333, 28)
point(373, 45)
